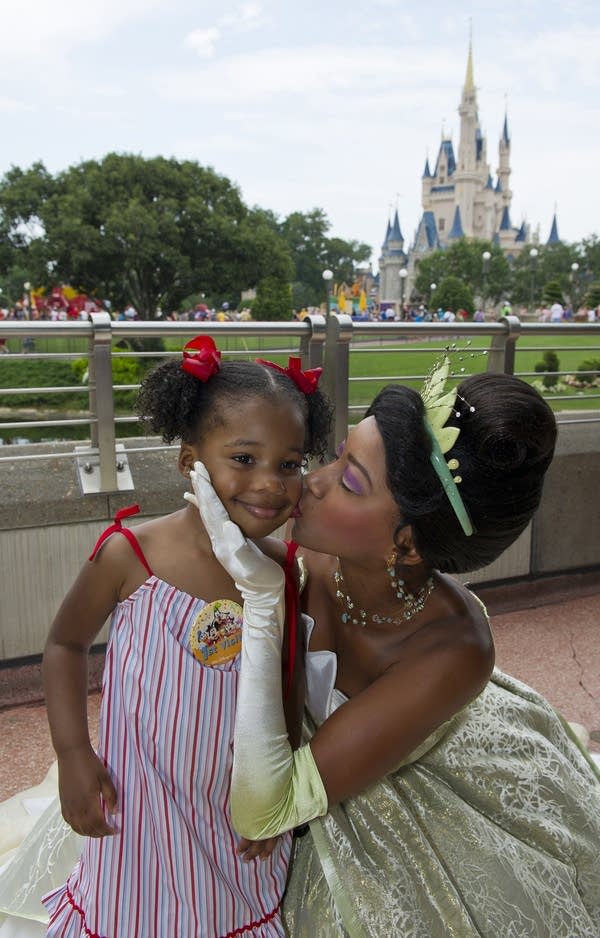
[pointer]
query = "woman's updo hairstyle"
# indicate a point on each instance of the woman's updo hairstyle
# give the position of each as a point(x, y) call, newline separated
point(175, 405)
point(504, 448)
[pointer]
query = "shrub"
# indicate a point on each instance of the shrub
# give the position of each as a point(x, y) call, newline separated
point(589, 370)
point(548, 365)
point(40, 373)
point(592, 297)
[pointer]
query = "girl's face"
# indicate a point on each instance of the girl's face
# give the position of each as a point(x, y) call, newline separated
point(347, 509)
point(255, 459)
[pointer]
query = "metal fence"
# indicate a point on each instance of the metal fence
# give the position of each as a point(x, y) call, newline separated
point(328, 343)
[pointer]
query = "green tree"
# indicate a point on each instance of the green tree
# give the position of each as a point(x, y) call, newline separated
point(464, 260)
point(552, 292)
point(273, 300)
point(148, 232)
point(312, 251)
point(452, 293)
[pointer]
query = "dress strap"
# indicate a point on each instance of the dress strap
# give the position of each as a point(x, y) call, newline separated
point(291, 608)
point(117, 527)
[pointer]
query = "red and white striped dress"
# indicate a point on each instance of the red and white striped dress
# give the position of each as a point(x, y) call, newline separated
point(166, 731)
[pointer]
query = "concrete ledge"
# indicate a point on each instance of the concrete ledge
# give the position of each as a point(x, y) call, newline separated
point(21, 680)
point(529, 593)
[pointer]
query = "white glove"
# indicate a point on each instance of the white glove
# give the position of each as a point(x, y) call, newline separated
point(258, 578)
point(272, 789)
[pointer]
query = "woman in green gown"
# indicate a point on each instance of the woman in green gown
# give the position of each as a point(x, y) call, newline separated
point(443, 797)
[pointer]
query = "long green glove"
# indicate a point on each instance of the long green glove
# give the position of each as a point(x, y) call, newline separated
point(273, 789)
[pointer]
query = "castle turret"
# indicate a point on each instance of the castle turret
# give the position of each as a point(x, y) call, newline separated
point(504, 164)
point(553, 236)
point(392, 260)
point(470, 149)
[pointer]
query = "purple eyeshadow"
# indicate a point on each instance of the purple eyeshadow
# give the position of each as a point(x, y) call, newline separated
point(352, 482)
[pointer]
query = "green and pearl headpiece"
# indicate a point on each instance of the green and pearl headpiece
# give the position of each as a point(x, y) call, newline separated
point(439, 404)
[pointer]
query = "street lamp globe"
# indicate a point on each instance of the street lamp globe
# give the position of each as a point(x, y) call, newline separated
point(486, 256)
point(433, 286)
point(575, 267)
point(533, 253)
point(327, 276)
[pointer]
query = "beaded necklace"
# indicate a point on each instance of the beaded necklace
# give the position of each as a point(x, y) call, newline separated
point(413, 602)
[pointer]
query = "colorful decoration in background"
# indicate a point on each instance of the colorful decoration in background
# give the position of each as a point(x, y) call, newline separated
point(362, 302)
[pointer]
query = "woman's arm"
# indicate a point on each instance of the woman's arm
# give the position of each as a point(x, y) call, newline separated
point(87, 605)
point(275, 789)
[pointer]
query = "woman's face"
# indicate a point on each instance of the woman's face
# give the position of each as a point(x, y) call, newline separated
point(347, 508)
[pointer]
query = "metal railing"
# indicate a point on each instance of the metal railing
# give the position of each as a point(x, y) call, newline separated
point(320, 343)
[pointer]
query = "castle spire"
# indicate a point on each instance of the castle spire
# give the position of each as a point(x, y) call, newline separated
point(469, 79)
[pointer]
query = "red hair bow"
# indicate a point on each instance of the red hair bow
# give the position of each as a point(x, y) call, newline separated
point(201, 358)
point(305, 381)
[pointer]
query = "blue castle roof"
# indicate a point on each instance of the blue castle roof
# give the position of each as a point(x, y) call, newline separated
point(457, 229)
point(522, 232)
point(505, 224)
point(395, 233)
point(553, 237)
point(448, 150)
point(387, 235)
point(505, 136)
point(427, 171)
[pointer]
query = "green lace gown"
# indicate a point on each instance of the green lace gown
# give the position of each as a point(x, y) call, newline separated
point(492, 828)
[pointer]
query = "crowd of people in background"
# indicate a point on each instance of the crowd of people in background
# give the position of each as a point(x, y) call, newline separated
point(80, 307)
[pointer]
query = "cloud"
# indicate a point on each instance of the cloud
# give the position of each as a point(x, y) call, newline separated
point(203, 41)
point(11, 104)
point(246, 17)
point(42, 32)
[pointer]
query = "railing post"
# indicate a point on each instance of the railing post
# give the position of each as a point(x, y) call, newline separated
point(501, 358)
point(312, 343)
point(336, 374)
point(102, 407)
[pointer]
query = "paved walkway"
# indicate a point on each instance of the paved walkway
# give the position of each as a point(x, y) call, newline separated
point(554, 646)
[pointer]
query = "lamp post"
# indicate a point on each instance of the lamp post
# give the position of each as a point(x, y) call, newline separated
point(327, 278)
point(27, 288)
point(533, 256)
point(403, 274)
point(432, 289)
point(486, 258)
point(574, 269)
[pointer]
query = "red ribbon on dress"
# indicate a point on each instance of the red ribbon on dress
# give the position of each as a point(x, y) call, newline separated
point(201, 358)
point(305, 381)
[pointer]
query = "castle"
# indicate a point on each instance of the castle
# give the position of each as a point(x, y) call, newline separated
point(460, 198)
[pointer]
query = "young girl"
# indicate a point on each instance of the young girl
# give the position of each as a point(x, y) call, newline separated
point(161, 858)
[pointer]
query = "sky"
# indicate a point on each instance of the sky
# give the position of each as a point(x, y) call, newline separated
point(313, 104)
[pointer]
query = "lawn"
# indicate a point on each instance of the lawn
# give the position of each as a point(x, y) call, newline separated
point(380, 362)
point(381, 365)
